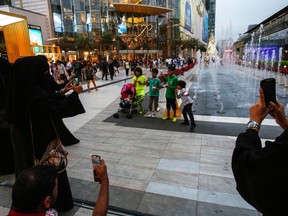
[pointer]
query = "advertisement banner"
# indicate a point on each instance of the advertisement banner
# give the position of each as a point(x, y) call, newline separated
point(35, 35)
point(205, 28)
point(186, 13)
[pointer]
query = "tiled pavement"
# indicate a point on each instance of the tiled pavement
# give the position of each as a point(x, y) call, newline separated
point(151, 171)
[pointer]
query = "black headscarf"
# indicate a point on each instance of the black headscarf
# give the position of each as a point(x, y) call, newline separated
point(28, 81)
point(5, 69)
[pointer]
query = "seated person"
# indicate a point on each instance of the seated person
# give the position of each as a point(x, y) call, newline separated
point(35, 191)
point(127, 102)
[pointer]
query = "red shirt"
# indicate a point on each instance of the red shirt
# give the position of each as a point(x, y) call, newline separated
point(13, 213)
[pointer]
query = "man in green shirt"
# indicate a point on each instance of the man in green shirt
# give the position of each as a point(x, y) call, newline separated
point(171, 84)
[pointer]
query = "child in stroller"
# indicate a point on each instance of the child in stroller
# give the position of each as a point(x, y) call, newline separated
point(126, 100)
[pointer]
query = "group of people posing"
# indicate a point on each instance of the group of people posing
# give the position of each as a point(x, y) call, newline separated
point(174, 89)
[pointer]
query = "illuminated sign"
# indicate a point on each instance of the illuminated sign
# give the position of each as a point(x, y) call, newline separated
point(35, 35)
point(122, 28)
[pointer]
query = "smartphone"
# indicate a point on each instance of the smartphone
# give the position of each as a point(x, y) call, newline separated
point(269, 88)
point(96, 159)
point(75, 81)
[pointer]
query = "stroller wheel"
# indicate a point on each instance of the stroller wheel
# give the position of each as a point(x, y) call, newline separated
point(116, 115)
point(129, 116)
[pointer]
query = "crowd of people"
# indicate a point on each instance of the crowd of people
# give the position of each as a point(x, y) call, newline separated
point(32, 106)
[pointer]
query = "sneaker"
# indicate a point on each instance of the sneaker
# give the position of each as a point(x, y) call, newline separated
point(166, 117)
point(174, 119)
point(153, 115)
point(185, 123)
point(149, 115)
point(158, 109)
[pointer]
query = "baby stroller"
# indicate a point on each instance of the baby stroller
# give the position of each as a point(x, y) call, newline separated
point(126, 100)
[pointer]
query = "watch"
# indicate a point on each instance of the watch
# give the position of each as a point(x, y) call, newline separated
point(253, 124)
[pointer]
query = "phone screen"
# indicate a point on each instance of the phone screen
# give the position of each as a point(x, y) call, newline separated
point(96, 159)
point(269, 88)
point(76, 81)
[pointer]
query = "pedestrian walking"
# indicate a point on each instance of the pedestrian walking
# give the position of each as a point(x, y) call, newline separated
point(111, 69)
point(88, 74)
point(127, 67)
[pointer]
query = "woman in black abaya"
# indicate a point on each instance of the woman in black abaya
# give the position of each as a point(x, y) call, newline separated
point(6, 150)
point(32, 100)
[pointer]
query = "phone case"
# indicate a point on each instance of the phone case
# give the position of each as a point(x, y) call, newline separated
point(96, 159)
point(269, 89)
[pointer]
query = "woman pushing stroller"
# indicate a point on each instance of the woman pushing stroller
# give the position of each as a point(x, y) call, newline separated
point(139, 81)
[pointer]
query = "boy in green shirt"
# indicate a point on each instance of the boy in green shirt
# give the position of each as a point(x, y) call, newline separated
point(154, 84)
point(171, 85)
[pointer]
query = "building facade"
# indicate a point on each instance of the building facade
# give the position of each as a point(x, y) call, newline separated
point(144, 28)
point(211, 8)
point(270, 37)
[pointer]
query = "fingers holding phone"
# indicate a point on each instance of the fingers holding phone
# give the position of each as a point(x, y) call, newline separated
point(279, 114)
point(99, 169)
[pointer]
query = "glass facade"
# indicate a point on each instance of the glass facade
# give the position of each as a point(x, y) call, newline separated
point(133, 31)
point(211, 8)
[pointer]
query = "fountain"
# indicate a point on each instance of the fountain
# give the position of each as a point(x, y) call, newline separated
point(272, 63)
point(260, 31)
point(281, 79)
point(286, 109)
point(266, 63)
point(221, 109)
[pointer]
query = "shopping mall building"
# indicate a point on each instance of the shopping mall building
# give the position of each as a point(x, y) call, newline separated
point(139, 28)
point(269, 38)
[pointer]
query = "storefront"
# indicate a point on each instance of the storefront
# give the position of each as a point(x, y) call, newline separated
point(16, 36)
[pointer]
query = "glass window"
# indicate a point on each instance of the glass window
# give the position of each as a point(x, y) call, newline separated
point(67, 7)
point(79, 5)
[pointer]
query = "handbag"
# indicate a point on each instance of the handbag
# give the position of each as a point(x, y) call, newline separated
point(55, 154)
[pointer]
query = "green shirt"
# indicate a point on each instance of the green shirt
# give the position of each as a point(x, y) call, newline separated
point(171, 81)
point(156, 83)
point(140, 88)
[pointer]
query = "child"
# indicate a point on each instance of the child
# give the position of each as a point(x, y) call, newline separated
point(187, 104)
point(139, 81)
point(127, 102)
point(171, 84)
point(154, 84)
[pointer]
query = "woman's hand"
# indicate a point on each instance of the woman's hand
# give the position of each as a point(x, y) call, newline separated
point(67, 87)
point(277, 111)
point(78, 89)
point(259, 111)
point(101, 171)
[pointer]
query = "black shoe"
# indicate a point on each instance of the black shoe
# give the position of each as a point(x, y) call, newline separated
point(185, 123)
point(192, 127)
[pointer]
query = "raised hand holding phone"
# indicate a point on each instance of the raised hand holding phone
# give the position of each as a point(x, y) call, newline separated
point(96, 160)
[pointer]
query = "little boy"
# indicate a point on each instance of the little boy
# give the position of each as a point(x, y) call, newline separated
point(171, 85)
point(154, 84)
point(187, 104)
